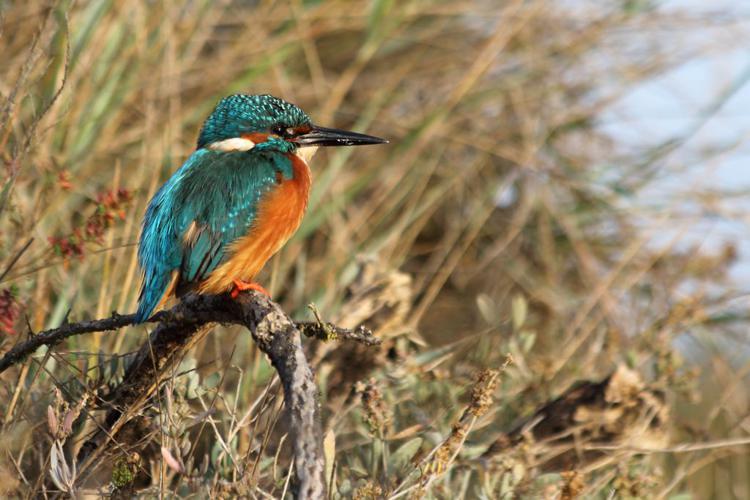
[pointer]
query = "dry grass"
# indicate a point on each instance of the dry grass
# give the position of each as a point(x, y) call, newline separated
point(500, 222)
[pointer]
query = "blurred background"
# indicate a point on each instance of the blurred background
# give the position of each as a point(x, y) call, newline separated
point(554, 243)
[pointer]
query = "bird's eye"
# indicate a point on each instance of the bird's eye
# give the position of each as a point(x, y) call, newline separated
point(285, 132)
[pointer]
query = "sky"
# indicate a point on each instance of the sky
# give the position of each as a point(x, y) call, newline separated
point(715, 85)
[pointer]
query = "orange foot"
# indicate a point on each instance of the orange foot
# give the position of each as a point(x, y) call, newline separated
point(241, 286)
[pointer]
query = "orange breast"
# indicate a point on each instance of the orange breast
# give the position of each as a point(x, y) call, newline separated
point(279, 215)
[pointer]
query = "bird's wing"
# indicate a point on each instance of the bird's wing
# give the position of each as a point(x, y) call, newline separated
point(206, 205)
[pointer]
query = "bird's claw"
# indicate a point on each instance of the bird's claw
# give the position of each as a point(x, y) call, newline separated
point(241, 286)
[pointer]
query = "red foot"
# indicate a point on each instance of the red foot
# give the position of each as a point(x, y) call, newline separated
point(241, 286)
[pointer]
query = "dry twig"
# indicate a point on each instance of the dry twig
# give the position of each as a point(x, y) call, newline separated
point(183, 326)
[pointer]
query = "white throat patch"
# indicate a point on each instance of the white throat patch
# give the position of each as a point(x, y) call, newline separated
point(306, 153)
point(233, 144)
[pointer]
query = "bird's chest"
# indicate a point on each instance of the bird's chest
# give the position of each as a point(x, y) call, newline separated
point(278, 215)
point(280, 211)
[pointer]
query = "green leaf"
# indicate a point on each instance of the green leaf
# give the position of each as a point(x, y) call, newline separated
point(403, 455)
point(519, 308)
point(681, 496)
point(488, 309)
point(528, 339)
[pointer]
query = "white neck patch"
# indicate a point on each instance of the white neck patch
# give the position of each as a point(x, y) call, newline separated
point(233, 144)
point(306, 153)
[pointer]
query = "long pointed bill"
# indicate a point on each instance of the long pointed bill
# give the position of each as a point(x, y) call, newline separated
point(322, 136)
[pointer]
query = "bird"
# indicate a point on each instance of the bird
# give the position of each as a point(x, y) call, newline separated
point(235, 201)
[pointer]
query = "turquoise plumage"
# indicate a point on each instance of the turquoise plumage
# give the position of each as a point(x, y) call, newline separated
point(213, 189)
point(246, 150)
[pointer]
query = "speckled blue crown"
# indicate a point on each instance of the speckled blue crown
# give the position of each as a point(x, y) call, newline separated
point(240, 114)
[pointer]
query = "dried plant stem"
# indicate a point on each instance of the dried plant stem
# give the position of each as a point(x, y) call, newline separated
point(275, 334)
point(182, 327)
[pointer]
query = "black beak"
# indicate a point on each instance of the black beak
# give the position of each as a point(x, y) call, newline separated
point(322, 136)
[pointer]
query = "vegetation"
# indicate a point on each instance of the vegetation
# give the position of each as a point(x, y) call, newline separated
point(500, 246)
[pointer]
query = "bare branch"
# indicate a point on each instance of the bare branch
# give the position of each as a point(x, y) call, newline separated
point(52, 337)
point(56, 335)
point(182, 327)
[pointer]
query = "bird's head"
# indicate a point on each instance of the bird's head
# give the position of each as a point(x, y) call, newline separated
point(264, 122)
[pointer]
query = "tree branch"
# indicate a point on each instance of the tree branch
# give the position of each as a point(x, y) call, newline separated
point(53, 336)
point(182, 327)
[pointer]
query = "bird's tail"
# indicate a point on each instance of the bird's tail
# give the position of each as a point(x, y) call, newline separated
point(155, 290)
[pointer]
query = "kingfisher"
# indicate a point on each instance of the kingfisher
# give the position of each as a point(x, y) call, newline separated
point(235, 201)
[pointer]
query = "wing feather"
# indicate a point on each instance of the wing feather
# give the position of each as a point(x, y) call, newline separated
point(190, 222)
